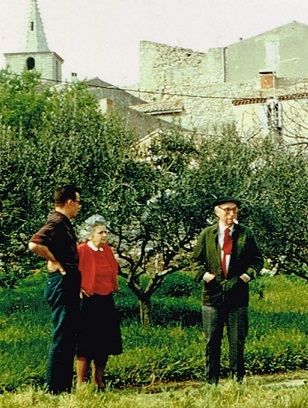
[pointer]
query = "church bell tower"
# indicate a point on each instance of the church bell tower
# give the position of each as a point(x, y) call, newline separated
point(36, 55)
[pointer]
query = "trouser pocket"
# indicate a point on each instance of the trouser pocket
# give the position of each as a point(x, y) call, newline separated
point(54, 290)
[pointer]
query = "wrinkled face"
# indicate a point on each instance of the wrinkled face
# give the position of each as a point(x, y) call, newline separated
point(73, 206)
point(227, 213)
point(98, 235)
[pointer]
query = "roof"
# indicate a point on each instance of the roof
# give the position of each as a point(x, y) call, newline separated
point(294, 23)
point(250, 101)
point(102, 89)
point(160, 108)
point(36, 39)
point(6, 54)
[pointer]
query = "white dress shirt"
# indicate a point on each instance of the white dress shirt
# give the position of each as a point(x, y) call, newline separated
point(221, 234)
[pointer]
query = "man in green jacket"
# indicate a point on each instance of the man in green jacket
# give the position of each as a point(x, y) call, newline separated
point(229, 259)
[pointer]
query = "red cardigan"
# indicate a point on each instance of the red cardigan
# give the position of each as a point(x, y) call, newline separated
point(88, 269)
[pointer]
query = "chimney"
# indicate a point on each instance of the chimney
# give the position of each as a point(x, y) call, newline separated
point(106, 105)
point(267, 80)
point(74, 77)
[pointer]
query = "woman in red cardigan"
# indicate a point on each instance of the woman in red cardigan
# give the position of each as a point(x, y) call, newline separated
point(99, 334)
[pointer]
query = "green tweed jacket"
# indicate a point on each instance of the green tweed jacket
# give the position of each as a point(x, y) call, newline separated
point(245, 258)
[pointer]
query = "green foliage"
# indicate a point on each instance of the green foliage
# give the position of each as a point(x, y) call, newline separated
point(73, 143)
point(155, 203)
point(281, 295)
point(178, 284)
point(24, 103)
point(150, 218)
point(280, 205)
point(26, 296)
point(174, 310)
point(172, 303)
point(156, 198)
point(268, 179)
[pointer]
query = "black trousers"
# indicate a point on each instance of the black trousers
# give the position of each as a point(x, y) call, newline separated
point(214, 320)
point(62, 295)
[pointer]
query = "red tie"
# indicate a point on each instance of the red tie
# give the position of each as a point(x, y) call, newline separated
point(227, 249)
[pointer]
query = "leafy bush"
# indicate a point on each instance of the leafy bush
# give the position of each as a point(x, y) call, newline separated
point(178, 284)
point(174, 310)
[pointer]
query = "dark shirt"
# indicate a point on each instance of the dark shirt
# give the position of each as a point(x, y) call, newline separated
point(59, 237)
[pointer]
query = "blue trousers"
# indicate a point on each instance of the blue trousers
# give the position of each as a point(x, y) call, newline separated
point(62, 295)
point(236, 320)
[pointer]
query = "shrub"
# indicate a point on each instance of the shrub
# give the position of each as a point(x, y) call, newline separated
point(185, 311)
point(178, 284)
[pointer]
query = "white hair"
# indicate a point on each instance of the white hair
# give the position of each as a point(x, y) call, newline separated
point(90, 223)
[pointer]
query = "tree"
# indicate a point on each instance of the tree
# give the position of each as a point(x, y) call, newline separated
point(144, 201)
point(295, 126)
point(160, 202)
point(24, 103)
point(269, 179)
point(155, 200)
point(280, 205)
point(149, 213)
point(70, 141)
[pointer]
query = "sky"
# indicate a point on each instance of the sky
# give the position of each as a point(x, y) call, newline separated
point(100, 38)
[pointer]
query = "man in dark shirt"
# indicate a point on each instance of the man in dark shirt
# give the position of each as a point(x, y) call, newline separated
point(56, 242)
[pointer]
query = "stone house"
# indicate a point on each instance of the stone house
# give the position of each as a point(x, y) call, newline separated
point(114, 99)
point(258, 83)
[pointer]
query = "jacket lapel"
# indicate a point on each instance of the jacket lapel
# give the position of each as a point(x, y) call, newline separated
point(234, 254)
point(215, 250)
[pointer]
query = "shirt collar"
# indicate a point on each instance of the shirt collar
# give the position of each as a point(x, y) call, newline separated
point(93, 246)
point(222, 228)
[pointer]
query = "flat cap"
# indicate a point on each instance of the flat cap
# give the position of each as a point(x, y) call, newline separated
point(223, 200)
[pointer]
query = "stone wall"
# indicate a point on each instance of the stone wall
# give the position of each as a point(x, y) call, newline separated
point(209, 106)
point(164, 67)
point(173, 73)
point(205, 83)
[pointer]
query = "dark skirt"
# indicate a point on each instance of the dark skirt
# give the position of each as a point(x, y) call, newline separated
point(99, 334)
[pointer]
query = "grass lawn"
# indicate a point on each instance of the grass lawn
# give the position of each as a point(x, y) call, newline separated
point(168, 352)
point(256, 392)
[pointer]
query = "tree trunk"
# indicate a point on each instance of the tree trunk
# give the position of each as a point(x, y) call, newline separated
point(145, 311)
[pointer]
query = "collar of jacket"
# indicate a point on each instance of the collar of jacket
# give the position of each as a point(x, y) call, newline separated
point(215, 228)
point(235, 233)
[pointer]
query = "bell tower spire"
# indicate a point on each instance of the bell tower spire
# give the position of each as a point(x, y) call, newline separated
point(36, 55)
point(35, 36)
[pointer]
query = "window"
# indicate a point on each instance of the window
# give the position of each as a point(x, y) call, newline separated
point(272, 56)
point(58, 77)
point(30, 63)
point(32, 26)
